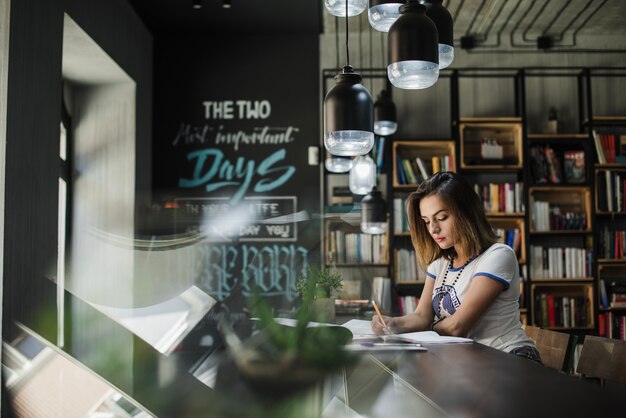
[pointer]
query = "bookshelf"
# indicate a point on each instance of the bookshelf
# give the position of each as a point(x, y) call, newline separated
point(494, 143)
point(412, 160)
point(433, 156)
point(612, 301)
point(347, 246)
point(574, 180)
point(563, 306)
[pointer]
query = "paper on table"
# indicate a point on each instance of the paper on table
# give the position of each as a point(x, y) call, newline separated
point(362, 329)
point(356, 346)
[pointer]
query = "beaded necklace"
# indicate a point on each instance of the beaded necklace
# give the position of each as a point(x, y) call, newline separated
point(445, 276)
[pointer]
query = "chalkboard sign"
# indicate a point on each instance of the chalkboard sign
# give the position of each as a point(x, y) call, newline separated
point(232, 132)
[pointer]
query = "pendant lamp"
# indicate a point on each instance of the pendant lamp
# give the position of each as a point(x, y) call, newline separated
point(385, 121)
point(348, 113)
point(362, 177)
point(344, 8)
point(443, 20)
point(337, 164)
point(413, 49)
point(373, 213)
point(382, 13)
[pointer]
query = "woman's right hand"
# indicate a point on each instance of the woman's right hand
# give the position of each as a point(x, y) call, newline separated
point(380, 329)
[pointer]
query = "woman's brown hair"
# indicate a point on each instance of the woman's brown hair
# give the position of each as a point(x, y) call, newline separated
point(472, 227)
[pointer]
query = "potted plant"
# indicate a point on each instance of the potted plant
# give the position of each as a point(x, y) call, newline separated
point(322, 283)
point(279, 360)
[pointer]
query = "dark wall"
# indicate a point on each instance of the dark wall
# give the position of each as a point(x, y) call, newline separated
point(115, 26)
point(32, 153)
point(194, 166)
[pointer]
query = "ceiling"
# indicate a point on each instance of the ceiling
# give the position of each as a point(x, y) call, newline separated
point(489, 24)
point(245, 16)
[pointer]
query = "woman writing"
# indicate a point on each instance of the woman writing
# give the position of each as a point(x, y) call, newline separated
point(472, 284)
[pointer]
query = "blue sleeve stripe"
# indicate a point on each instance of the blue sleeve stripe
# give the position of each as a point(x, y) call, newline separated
point(432, 276)
point(492, 276)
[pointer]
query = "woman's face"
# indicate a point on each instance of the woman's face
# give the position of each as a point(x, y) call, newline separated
point(438, 220)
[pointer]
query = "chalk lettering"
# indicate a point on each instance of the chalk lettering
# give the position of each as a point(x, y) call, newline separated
point(272, 268)
point(265, 135)
point(218, 110)
point(188, 134)
point(214, 172)
point(254, 109)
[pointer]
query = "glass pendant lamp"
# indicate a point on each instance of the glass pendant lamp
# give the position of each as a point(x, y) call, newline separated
point(385, 121)
point(337, 164)
point(343, 8)
point(362, 177)
point(445, 28)
point(413, 49)
point(348, 113)
point(382, 13)
point(373, 213)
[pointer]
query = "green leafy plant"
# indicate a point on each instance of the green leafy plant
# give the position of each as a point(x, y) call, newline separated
point(320, 282)
point(320, 347)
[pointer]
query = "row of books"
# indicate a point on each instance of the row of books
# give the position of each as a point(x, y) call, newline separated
point(545, 165)
point(353, 248)
point(561, 311)
point(560, 262)
point(379, 152)
point(550, 218)
point(415, 170)
point(612, 294)
point(502, 197)
point(511, 237)
point(610, 148)
point(612, 325)
point(612, 191)
point(612, 243)
point(400, 220)
point(407, 304)
point(407, 267)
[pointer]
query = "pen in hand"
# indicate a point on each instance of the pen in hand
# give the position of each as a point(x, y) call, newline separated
point(380, 318)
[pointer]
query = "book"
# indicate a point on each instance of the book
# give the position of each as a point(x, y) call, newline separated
point(538, 165)
point(597, 140)
point(554, 168)
point(574, 166)
point(408, 171)
point(436, 161)
point(422, 168)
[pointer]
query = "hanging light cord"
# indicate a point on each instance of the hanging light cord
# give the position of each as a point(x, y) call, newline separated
point(337, 42)
point(347, 50)
point(371, 61)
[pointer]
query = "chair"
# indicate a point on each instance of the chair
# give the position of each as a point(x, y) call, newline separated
point(556, 348)
point(603, 358)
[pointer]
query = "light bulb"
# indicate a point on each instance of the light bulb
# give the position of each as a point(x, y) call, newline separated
point(338, 164)
point(374, 228)
point(338, 7)
point(349, 143)
point(446, 56)
point(362, 177)
point(382, 16)
point(385, 127)
point(413, 74)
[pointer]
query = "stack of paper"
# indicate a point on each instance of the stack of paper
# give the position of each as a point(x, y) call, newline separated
point(362, 330)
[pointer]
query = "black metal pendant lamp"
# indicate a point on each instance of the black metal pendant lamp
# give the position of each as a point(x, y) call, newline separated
point(373, 213)
point(348, 113)
point(413, 48)
point(445, 29)
point(385, 120)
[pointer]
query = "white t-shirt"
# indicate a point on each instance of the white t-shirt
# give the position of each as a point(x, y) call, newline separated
point(500, 326)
